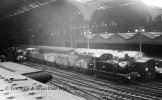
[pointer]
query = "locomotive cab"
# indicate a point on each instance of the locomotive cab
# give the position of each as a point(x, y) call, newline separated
point(146, 67)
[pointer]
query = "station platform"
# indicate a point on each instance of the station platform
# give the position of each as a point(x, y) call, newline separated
point(27, 71)
point(14, 86)
point(18, 68)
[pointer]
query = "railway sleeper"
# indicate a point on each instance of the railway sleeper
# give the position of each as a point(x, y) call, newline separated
point(79, 69)
point(112, 77)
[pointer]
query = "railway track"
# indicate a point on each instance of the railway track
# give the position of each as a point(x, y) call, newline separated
point(106, 92)
point(105, 88)
point(100, 89)
point(74, 90)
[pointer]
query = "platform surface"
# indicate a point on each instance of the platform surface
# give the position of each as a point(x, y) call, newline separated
point(18, 68)
point(22, 88)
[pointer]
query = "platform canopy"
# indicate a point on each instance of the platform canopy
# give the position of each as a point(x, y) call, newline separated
point(125, 38)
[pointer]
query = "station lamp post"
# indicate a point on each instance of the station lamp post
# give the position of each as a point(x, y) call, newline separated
point(139, 31)
point(33, 36)
point(88, 44)
point(54, 37)
point(87, 32)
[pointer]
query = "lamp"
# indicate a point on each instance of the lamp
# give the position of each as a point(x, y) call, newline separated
point(140, 30)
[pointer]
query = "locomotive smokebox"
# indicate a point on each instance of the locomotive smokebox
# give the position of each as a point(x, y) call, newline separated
point(40, 76)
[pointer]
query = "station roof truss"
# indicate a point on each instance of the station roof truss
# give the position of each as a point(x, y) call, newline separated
point(87, 7)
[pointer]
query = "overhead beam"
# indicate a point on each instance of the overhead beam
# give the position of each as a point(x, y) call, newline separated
point(28, 7)
point(88, 8)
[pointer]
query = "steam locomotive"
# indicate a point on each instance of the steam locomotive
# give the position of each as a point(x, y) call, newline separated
point(11, 54)
point(123, 66)
point(133, 60)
